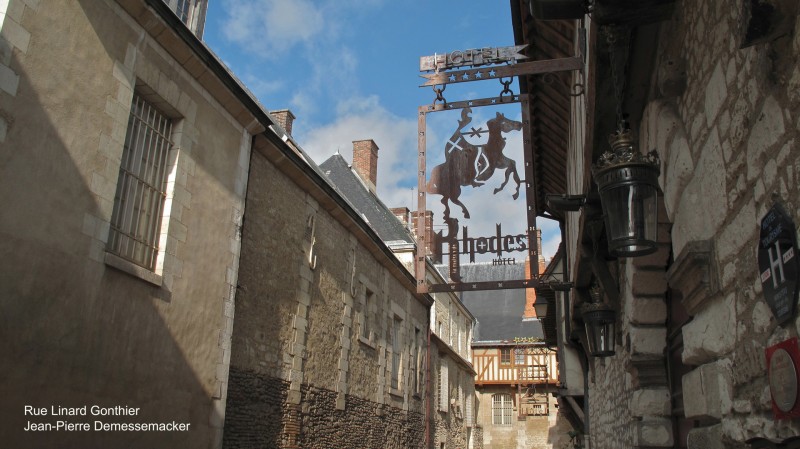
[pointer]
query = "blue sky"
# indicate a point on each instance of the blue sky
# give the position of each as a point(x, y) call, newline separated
point(349, 70)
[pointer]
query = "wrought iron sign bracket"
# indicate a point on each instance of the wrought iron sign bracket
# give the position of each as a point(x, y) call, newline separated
point(482, 65)
point(487, 73)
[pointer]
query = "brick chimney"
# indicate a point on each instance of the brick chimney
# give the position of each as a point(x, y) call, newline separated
point(402, 214)
point(285, 118)
point(530, 293)
point(430, 242)
point(365, 161)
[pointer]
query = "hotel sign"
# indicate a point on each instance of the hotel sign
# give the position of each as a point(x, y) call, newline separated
point(472, 171)
point(471, 57)
point(778, 262)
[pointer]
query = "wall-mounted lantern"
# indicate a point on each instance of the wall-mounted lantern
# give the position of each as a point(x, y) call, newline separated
point(628, 184)
point(627, 180)
point(540, 306)
point(600, 320)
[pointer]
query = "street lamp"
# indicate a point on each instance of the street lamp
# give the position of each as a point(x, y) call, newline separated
point(540, 306)
point(628, 184)
point(600, 320)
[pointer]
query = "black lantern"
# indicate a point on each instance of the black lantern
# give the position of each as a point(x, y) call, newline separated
point(600, 320)
point(628, 184)
point(540, 306)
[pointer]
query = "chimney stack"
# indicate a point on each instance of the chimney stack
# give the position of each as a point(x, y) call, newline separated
point(285, 118)
point(365, 161)
point(402, 214)
point(430, 244)
point(530, 293)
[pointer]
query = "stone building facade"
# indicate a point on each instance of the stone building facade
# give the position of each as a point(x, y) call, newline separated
point(516, 375)
point(450, 376)
point(712, 87)
point(452, 373)
point(91, 318)
point(330, 346)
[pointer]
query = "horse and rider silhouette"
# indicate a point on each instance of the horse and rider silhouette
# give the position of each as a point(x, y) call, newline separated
point(472, 165)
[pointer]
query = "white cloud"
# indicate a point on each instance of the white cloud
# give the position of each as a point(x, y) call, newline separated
point(361, 118)
point(272, 27)
point(302, 105)
point(262, 87)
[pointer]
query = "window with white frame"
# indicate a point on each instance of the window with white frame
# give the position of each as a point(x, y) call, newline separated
point(141, 186)
point(501, 409)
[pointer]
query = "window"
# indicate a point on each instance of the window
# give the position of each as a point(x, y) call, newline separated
point(519, 357)
point(141, 186)
point(396, 353)
point(443, 387)
point(451, 330)
point(369, 298)
point(181, 8)
point(505, 356)
point(501, 409)
point(190, 12)
point(469, 408)
point(458, 332)
point(415, 358)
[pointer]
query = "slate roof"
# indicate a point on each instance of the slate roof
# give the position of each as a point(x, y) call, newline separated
point(499, 312)
point(372, 209)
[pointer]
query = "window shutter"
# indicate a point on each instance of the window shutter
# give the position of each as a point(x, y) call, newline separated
point(444, 388)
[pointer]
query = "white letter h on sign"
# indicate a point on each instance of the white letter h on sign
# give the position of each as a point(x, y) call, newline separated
point(776, 262)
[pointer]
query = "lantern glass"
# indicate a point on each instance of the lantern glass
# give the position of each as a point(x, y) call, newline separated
point(601, 339)
point(629, 196)
point(600, 330)
point(540, 306)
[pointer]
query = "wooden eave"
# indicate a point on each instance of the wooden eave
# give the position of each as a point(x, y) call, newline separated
point(549, 105)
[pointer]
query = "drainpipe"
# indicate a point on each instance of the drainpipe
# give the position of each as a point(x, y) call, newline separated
point(428, 395)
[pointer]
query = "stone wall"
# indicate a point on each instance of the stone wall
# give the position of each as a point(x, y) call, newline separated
point(262, 412)
point(727, 140)
point(320, 315)
point(731, 150)
point(449, 418)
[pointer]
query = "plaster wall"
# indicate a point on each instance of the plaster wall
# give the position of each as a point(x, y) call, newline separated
point(77, 330)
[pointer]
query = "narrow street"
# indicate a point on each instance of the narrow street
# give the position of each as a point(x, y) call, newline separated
point(533, 224)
